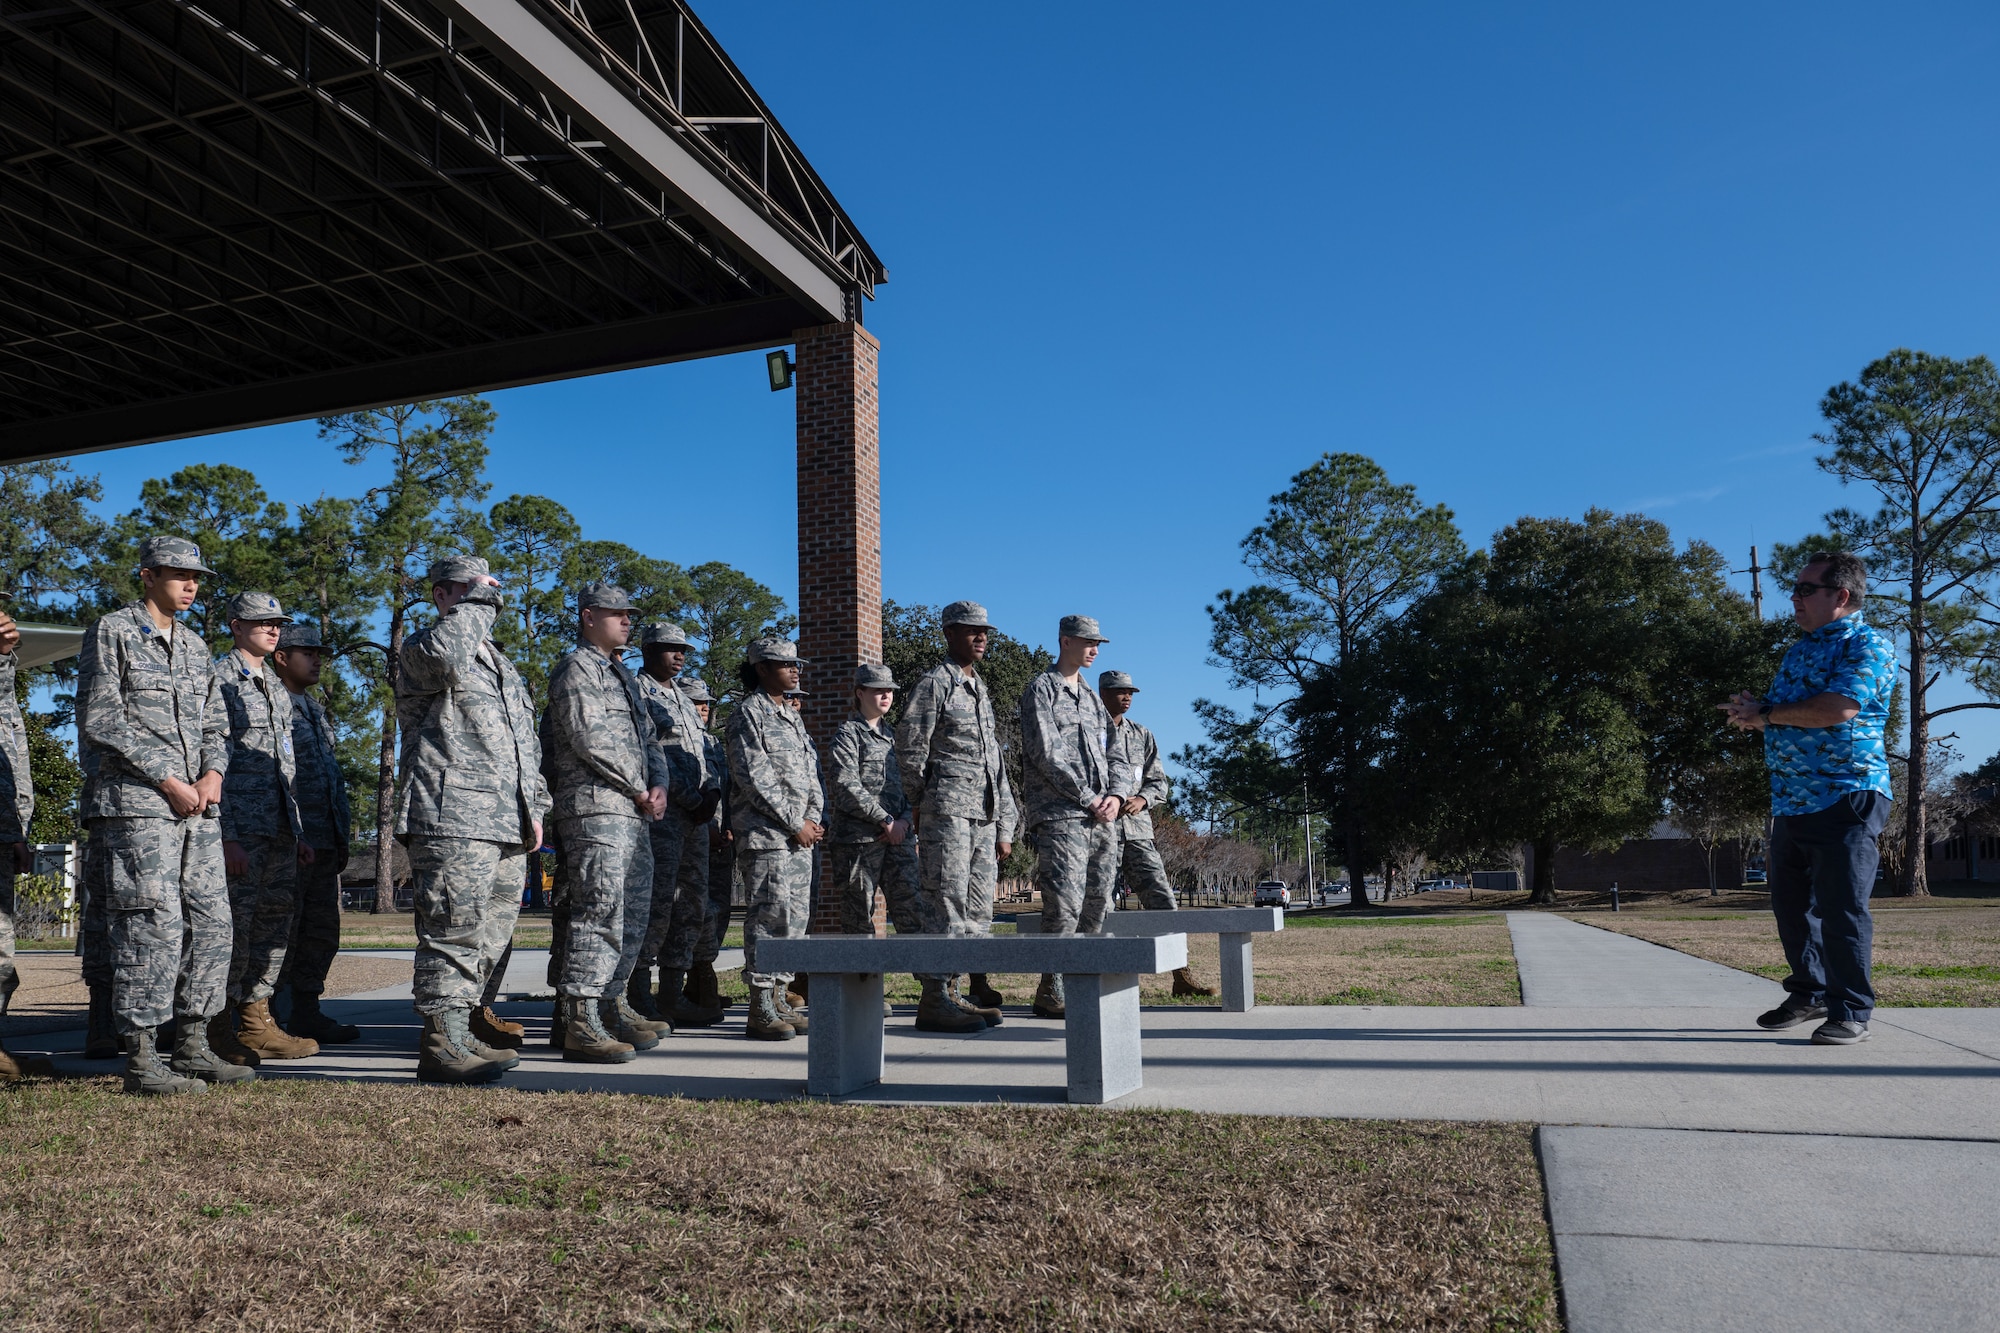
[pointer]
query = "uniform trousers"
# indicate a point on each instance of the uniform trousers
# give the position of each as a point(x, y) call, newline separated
point(315, 926)
point(468, 895)
point(606, 893)
point(858, 872)
point(166, 913)
point(779, 882)
point(687, 923)
point(1076, 869)
point(721, 899)
point(1144, 874)
point(669, 841)
point(263, 902)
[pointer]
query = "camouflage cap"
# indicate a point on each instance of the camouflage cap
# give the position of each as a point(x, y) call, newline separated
point(966, 613)
point(664, 634)
point(782, 651)
point(1116, 680)
point(1082, 627)
point(458, 569)
point(603, 597)
point(696, 689)
point(874, 676)
point(257, 608)
point(300, 634)
point(171, 553)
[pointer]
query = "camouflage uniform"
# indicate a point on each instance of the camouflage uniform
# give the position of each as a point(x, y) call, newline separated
point(1134, 756)
point(17, 813)
point(867, 792)
point(601, 754)
point(470, 792)
point(259, 814)
point(680, 860)
point(721, 855)
point(324, 818)
point(774, 776)
point(149, 708)
point(948, 756)
point(1065, 771)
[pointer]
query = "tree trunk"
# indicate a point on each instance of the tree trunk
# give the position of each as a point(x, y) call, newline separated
point(1544, 887)
point(1916, 882)
point(1357, 868)
point(385, 776)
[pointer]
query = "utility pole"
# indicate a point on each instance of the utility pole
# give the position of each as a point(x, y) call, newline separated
point(1755, 572)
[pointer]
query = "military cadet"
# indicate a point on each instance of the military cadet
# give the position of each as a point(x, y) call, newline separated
point(261, 842)
point(775, 789)
point(1139, 780)
point(152, 738)
point(948, 754)
point(17, 813)
point(324, 816)
point(871, 850)
point(1066, 789)
point(704, 990)
point(608, 780)
point(469, 807)
point(680, 851)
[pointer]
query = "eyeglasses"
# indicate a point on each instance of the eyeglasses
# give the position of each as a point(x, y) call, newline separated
point(1805, 588)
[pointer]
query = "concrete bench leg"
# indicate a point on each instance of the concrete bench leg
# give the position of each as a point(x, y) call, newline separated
point(1239, 983)
point(844, 1048)
point(1102, 1031)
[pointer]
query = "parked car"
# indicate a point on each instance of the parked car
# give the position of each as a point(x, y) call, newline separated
point(1272, 893)
point(1753, 876)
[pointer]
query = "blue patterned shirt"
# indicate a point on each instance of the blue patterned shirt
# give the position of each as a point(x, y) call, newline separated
point(1812, 767)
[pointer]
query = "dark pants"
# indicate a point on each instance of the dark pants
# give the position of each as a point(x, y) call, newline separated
point(1822, 871)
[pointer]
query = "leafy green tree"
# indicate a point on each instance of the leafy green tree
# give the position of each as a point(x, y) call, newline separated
point(1559, 690)
point(1923, 432)
point(533, 538)
point(1340, 554)
point(436, 454)
point(51, 544)
point(725, 610)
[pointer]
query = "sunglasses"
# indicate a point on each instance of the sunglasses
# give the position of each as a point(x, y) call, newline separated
point(1806, 588)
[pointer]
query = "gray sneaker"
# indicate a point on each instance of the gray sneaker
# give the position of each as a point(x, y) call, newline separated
point(1839, 1032)
point(1789, 1015)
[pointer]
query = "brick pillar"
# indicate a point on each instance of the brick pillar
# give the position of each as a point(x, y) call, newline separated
point(840, 529)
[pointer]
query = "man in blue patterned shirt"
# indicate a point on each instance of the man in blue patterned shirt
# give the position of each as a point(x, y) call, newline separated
point(1823, 721)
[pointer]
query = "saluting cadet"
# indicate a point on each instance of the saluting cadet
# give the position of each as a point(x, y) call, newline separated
point(774, 772)
point(324, 817)
point(261, 842)
point(152, 738)
point(469, 807)
point(1140, 782)
point(608, 780)
point(1066, 789)
point(680, 850)
point(948, 753)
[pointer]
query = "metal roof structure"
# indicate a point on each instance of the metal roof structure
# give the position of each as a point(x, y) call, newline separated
point(223, 213)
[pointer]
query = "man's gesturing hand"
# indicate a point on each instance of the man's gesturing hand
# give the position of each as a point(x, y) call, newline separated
point(1745, 711)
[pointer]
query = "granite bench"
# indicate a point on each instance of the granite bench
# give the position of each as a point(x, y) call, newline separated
point(1100, 979)
point(1235, 926)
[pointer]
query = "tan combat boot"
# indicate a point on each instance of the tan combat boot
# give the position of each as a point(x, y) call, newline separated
point(256, 1029)
point(447, 1054)
point(624, 1022)
point(786, 1003)
point(222, 1039)
point(936, 1012)
point(1185, 984)
point(990, 1017)
point(764, 1023)
point(489, 1029)
point(13, 1068)
point(584, 1037)
point(1049, 997)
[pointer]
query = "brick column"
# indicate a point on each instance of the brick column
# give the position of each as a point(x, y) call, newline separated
point(840, 527)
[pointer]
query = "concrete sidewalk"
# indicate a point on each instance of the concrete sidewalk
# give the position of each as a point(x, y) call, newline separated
point(1566, 965)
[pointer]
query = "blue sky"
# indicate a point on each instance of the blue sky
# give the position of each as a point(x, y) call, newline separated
point(1148, 261)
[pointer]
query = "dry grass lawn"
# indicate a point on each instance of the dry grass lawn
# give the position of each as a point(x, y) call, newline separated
point(386, 1207)
point(1928, 951)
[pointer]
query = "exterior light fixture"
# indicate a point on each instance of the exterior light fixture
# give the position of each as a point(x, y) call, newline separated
point(781, 368)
